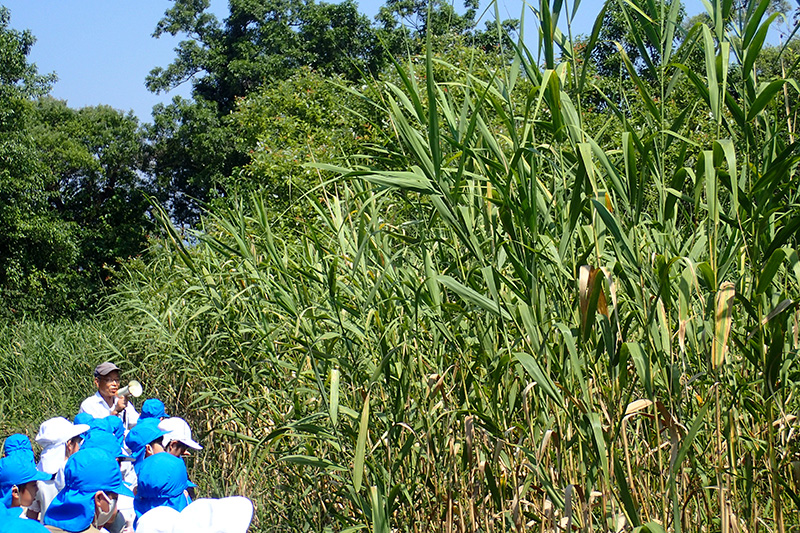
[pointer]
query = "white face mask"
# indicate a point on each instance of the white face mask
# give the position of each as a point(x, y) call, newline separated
point(104, 517)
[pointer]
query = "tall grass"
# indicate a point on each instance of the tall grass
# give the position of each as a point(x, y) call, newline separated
point(526, 327)
point(46, 370)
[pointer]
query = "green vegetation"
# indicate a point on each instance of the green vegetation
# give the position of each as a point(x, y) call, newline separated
point(509, 296)
point(72, 195)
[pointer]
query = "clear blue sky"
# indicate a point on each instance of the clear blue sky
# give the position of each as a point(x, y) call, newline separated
point(102, 50)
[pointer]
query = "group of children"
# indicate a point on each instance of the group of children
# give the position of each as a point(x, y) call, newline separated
point(111, 469)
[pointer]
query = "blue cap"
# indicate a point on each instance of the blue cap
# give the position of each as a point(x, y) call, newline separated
point(102, 440)
point(110, 424)
point(18, 443)
point(83, 418)
point(86, 472)
point(162, 482)
point(142, 434)
point(153, 408)
point(14, 524)
point(16, 470)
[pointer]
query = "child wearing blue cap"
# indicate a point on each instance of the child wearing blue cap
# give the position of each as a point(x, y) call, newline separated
point(153, 408)
point(18, 443)
point(163, 481)
point(18, 477)
point(88, 501)
point(144, 440)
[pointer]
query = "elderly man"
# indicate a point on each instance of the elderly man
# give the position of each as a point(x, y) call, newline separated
point(105, 401)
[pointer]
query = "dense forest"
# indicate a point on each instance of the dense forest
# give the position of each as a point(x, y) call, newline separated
point(410, 274)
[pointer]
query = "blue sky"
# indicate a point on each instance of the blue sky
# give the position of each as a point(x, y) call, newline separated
point(102, 50)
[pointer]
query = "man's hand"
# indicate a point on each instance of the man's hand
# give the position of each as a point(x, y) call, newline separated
point(122, 403)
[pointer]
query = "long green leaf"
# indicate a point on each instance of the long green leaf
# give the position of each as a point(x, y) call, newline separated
point(770, 269)
point(361, 443)
point(543, 380)
point(472, 296)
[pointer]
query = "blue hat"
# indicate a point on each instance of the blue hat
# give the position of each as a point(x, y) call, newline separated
point(15, 524)
point(110, 424)
point(7, 513)
point(16, 470)
point(87, 472)
point(142, 434)
point(18, 443)
point(84, 418)
point(153, 408)
point(105, 441)
point(162, 482)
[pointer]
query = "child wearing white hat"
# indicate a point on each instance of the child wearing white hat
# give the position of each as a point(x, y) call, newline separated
point(59, 439)
point(177, 437)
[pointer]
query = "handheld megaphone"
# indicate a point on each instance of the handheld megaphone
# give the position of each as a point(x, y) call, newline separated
point(133, 388)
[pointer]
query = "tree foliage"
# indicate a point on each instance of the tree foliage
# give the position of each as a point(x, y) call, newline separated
point(261, 44)
point(629, 29)
point(71, 191)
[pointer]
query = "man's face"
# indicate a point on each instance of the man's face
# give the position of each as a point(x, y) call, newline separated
point(108, 385)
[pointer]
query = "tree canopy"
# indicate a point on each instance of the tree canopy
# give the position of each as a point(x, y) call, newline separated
point(72, 190)
point(263, 43)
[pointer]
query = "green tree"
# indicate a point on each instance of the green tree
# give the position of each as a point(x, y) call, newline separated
point(72, 191)
point(97, 159)
point(193, 151)
point(406, 23)
point(306, 119)
point(261, 42)
point(36, 247)
point(633, 29)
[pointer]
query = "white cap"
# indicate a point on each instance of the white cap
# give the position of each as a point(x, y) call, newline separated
point(177, 429)
point(223, 515)
point(52, 437)
point(158, 520)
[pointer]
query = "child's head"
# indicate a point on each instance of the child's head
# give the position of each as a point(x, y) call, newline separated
point(18, 477)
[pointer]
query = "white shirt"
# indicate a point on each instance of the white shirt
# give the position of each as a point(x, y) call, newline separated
point(125, 503)
point(47, 491)
point(98, 408)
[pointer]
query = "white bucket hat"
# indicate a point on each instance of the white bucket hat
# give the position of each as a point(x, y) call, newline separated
point(158, 520)
point(206, 515)
point(223, 515)
point(178, 430)
point(52, 437)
